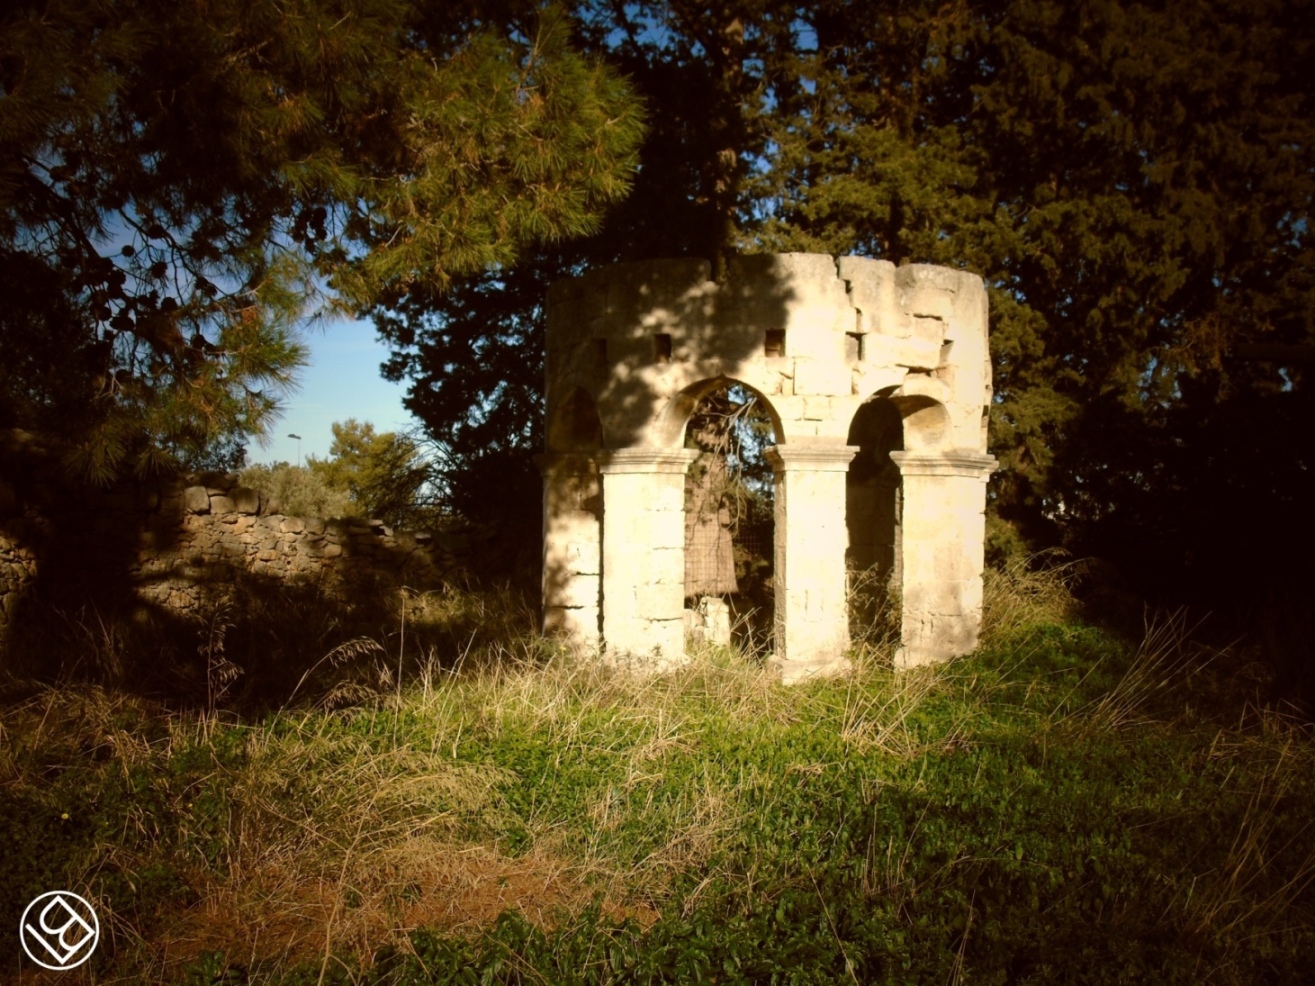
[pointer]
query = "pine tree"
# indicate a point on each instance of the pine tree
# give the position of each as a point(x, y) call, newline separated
point(474, 353)
point(384, 474)
point(179, 181)
point(1134, 181)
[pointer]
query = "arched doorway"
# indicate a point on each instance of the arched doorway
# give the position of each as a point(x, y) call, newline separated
point(729, 506)
point(872, 517)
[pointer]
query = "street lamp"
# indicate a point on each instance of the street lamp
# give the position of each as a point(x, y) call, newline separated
point(298, 438)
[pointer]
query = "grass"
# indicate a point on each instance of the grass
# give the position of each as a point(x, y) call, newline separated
point(454, 800)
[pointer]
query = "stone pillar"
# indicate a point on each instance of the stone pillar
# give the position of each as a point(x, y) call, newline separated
point(644, 552)
point(944, 535)
point(812, 622)
point(572, 547)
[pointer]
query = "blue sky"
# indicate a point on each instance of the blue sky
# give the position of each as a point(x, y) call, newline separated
point(342, 381)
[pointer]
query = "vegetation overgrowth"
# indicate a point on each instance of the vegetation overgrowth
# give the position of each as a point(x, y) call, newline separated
point(1062, 806)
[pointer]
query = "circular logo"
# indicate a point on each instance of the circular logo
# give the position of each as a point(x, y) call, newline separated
point(59, 930)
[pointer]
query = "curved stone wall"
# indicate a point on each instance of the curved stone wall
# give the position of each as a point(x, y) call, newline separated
point(814, 335)
point(631, 349)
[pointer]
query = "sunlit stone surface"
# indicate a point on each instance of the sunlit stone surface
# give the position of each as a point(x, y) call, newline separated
point(878, 382)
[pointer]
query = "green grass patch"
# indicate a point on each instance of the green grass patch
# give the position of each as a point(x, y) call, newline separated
point(1060, 807)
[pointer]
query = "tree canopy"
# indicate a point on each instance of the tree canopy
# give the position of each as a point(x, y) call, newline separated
point(180, 183)
point(386, 475)
point(1134, 180)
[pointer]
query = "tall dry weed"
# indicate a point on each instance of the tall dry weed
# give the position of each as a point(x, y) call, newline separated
point(1033, 591)
point(1166, 656)
point(1270, 863)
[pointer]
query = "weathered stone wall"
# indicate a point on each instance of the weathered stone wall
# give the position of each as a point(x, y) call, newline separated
point(877, 380)
point(219, 527)
point(18, 564)
point(184, 543)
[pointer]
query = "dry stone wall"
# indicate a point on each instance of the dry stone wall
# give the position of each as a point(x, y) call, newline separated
point(184, 543)
point(223, 528)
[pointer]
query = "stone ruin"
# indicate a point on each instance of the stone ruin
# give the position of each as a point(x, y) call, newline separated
point(181, 544)
point(877, 380)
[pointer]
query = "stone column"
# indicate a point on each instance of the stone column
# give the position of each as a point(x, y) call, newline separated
point(812, 623)
point(572, 547)
point(644, 552)
point(944, 535)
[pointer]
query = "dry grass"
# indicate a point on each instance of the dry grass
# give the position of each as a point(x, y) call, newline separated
point(1033, 591)
point(366, 811)
point(1166, 657)
point(1225, 900)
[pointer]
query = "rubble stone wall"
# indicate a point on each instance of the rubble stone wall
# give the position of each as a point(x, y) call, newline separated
point(183, 543)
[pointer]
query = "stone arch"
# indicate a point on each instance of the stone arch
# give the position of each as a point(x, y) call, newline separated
point(872, 511)
point(575, 425)
point(808, 335)
point(729, 521)
point(674, 417)
point(921, 402)
point(926, 422)
point(898, 420)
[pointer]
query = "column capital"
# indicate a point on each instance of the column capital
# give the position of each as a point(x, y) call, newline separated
point(810, 458)
point(553, 462)
point(646, 460)
point(965, 464)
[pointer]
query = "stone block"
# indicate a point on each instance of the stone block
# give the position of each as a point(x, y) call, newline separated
point(919, 354)
point(816, 377)
point(579, 624)
point(292, 525)
point(576, 591)
point(929, 329)
point(667, 565)
point(246, 500)
point(196, 500)
point(584, 558)
point(951, 563)
point(222, 505)
point(931, 302)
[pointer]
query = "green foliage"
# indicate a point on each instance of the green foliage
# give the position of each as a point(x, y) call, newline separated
point(1061, 807)
point(474, 354)
point(384, 474)
point(378, 476)
point(177, 180)
point(301, 491)
point(1133, 181)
